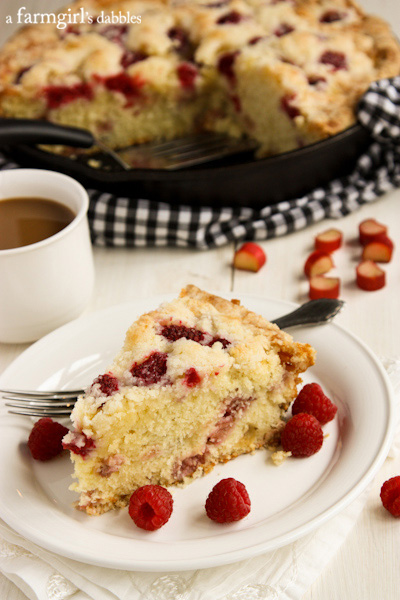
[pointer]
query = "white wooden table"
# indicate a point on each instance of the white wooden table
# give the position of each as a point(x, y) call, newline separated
point(367, 565)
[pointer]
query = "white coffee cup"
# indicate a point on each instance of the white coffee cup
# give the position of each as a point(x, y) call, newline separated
point(46, 284)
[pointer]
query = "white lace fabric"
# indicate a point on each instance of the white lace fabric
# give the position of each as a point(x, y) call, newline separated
point(284, 574)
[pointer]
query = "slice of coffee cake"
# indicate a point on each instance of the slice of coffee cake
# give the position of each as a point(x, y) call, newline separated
point(198, 381)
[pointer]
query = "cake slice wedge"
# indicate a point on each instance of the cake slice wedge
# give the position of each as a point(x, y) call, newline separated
point(198, 382)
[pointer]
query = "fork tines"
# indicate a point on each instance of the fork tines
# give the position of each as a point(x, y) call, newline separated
point(184, 152)
point(56, 403)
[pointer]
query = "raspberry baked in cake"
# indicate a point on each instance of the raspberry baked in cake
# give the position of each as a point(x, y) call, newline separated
point(285, 73)
point(198, 382)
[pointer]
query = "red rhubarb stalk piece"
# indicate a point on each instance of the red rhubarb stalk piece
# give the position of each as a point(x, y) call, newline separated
point(318, 263)
point(369, 229)
point(329, 240)
point(369, 276)
point(250, 257)
point(324, 287)
point(379, 250)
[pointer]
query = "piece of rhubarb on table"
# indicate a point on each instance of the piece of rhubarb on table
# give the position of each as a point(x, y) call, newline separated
point(318, 263)
point(329, 240)
point(379, 250)
point(369, 229)
point(249, 257)
point(369, 276)
point(324, 287)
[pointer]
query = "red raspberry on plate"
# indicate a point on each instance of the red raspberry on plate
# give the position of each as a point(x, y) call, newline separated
point(228, 501)
point(302, 435)
point(45, 439)
point(150, 507)
point(390, 496)
point(312, 400)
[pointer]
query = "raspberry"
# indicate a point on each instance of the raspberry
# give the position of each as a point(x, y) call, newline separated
point(187, 74)
point(129, 86)
point(390, 496)
point(45, 439)
point(182, 43)
point(302, 435)
point(130, 57)
point(150, 507)
point(225, 343)
point(330, 16)
point(228, 501)
point(151, 370)
point(108, 384)
point(231, 18)
point(176, 332)
point(283, 29)
point(78, 443)
point(57, 95)
point(288, 107)
point(336, 59)
point(312, 400)
point(226, 65)
point(192, 378)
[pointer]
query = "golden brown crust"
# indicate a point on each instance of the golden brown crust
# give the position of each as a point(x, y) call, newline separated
point(304, 353)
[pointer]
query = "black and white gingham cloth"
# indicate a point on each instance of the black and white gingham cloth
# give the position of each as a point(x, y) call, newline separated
point(132, 222)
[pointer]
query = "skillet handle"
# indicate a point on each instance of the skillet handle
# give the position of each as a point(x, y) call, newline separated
point(30, 131)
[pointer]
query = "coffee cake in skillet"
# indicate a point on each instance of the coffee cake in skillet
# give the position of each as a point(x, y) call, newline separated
point(283, 72)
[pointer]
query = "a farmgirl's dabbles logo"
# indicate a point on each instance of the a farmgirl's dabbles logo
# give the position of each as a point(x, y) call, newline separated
point(78, 17)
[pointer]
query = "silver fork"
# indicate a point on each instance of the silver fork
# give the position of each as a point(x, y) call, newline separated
point(51, 403)
point(181, 152)
point(59, 403)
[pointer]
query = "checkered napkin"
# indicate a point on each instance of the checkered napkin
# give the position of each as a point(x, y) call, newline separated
point(132, 222)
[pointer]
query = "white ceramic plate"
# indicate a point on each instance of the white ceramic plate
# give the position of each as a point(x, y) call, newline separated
point(287, 501)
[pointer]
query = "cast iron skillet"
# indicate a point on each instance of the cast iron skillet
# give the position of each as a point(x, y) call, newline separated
point(238, 181)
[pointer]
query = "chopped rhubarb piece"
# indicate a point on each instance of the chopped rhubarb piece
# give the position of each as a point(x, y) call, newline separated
point(335, 59)
point(151, 370)
point(78, 443)
point(57, 95)
point(111, 464)
point(329, 240)
point(324, 287)
point(192, 378)
point(130, 57)
point(234, 409)
point(318, 263)
point(330, 16)
point(187, 74)
point(225, 65)
point(369, 276)
point(379, 250)
point(288, 107)
point(369, 230)
point(283, 29)
point(231, 18)
point(255, 40)
point(176, 332)
point(250, 257)
point(188, 466)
